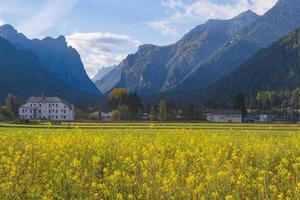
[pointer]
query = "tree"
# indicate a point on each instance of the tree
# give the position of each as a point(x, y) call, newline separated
point(120, 97)
point(6, 112)
point(115, 97)
point(295, 99)
point(13, 104)
point(117, 93)
point(80, 114)
point(153, 114)
point(116, 115)
point(239, 104)
point(124, 112)
point(163, 111)
point(190, 112)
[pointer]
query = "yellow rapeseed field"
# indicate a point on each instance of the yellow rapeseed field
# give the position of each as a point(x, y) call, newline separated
point(149, 163)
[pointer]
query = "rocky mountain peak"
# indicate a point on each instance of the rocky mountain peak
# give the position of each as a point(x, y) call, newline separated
point(286, 6)
point(246, 14)
point(59, 42)
point(8, 29)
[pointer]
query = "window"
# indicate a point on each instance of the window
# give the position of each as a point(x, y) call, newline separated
point(49, 111)
point(56, 111)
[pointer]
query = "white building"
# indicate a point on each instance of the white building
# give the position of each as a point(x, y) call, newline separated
point(224, 116)
point(106, 116)
point(47, 108)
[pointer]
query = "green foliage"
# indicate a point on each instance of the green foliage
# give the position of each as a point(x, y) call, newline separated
point(13, 104)
point(163, 113)
point(116, 116)
point(190, 112)
point(10, 110)
point(81, 115)
point(124, 112)
point(239, 104)
point(94, 116)
point(274, 69)
point(120, 97)
point(6, 112)
point(153, 114)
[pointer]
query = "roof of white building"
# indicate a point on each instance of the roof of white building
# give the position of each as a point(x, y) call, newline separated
point(48, 100)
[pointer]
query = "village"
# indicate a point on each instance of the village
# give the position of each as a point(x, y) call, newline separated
point(56, 109)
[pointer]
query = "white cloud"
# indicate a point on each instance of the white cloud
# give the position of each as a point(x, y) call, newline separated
point(164, 27)
point(102, 49)
point(1, 19)
point(183, 12)
point(46, 17)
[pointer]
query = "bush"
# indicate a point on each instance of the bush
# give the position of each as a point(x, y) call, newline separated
point(6, 112)
point(116, 116)
point(124, 112)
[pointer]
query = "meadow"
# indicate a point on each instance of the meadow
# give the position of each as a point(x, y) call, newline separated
point(149, 161)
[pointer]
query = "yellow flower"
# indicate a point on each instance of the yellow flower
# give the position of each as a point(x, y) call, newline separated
point(229, 197)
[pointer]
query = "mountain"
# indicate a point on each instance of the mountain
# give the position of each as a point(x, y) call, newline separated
point(102, 72)
point(153, 68)
point(276, 68)
point(56, 57)
point(110, 80)
point(277, 22)
point(22, 74)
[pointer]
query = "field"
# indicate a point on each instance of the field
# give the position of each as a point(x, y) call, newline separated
point(149, 161)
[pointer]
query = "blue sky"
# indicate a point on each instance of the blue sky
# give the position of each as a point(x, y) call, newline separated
point(105, 31)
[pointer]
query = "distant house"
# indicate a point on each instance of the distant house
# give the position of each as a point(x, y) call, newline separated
point(224, 116)
point(106, 116)
point(267, 118)
point(47, 108)
point(144, 117)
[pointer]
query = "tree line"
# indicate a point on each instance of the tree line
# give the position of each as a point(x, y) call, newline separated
point(10, 108)
point(129, 106)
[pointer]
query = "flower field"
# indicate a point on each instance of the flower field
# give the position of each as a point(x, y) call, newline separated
point(154, 162)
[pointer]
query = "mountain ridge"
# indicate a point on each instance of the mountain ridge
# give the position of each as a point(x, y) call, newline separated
point(278, 21)
point(275, 68)
point(156, 68)
point(56, 56)
point(22, 74)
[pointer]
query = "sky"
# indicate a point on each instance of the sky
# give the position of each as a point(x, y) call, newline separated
point(105, 31)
